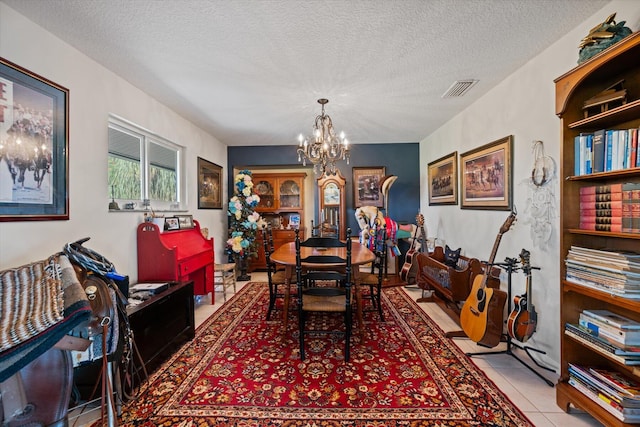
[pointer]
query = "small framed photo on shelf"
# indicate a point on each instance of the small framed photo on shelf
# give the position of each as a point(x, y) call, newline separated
point(294, 221)
point(171, 223)
point(185, 221)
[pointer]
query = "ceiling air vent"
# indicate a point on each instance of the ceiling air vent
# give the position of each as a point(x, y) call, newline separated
point(459, 88)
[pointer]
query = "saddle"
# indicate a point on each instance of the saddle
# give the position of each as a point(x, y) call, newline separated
point(45, 385)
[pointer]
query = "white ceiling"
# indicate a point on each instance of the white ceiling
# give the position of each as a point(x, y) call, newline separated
point(250, 71)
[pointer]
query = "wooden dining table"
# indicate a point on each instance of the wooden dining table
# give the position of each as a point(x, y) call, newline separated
point(286, 256)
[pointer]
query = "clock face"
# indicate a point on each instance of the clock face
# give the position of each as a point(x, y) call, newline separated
point(331, 194)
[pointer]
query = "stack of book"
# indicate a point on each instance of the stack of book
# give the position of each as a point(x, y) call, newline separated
point(601, 207)
point(612, 334)
point(615, 272)
point(606, 150)
point(616, 393)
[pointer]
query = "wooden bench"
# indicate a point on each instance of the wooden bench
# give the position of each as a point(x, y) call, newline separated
point(450, 286)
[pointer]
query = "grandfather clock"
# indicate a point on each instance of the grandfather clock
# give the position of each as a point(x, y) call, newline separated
point(332, 205)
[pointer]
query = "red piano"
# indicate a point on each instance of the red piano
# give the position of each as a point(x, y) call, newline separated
point(177, 255)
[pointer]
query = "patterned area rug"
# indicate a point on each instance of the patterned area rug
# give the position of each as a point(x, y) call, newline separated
point(239, 371)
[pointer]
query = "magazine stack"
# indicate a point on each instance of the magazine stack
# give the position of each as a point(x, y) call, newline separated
point(616, 272)
point(613, 391)
point(611, 334)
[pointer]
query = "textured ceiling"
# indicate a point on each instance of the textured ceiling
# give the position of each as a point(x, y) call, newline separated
point(250, 71)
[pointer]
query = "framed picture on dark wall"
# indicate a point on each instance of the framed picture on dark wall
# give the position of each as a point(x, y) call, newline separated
point(34, 168)
point(443, 180)
point(209, 185)
point(486, 175)
point(366, 186)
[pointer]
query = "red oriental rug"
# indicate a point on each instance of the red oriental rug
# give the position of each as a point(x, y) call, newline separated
point(239, 371)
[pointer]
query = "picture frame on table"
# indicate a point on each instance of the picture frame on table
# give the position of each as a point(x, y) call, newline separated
point(185, 221)
point(442, 176)
point(294, 221)
point(486, 175)
point(171, 223)
point(209, 185)
point(35, 136)
point(366, 186)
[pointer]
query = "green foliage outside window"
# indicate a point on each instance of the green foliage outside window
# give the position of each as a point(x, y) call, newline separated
point(162, 184)
point(124, 178)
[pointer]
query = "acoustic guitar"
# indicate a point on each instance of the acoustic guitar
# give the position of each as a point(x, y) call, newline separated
point(481, 316)
point(409, 270)
point(523, 319)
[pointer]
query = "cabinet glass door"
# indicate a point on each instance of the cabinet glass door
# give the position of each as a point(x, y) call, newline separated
point(290, 194)
point(265, 189)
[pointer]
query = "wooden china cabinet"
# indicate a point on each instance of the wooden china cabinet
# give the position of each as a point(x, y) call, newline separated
point(281, 204)
point(575, 92)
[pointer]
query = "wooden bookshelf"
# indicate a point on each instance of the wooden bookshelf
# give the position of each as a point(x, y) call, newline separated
point(619, 62)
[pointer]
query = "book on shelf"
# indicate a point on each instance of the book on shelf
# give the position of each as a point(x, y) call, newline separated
point(593, 226)
point(595, 219)
point(609, 333)
point(610, 382)
point(633, 162)
point(598, 151)
point(626, 406)
point(633, 295)
point(613, 319)
point(622, 383)
point(582, 333)
point(609, 280)
point(625, 417)
point(610, 256)
point(583, 154)
point(630, 269)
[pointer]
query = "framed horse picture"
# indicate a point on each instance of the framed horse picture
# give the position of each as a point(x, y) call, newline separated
point(443, 180)
point(34, 149)
point(366, 186)
point(486, 175)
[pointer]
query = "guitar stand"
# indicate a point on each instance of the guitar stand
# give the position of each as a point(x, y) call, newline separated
point(510, 266)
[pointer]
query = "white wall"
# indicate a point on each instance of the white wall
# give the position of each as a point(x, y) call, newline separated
point(523, 105)
point(94, 93)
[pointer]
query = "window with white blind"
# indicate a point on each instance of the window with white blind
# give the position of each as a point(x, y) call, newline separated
point(144, 168)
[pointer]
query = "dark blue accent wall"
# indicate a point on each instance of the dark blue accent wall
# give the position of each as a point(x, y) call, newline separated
point(402, 160)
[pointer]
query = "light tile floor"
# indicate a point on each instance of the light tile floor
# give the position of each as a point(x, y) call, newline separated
point(525, 389)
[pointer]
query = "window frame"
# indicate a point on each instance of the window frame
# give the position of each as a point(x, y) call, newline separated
point(146, 138)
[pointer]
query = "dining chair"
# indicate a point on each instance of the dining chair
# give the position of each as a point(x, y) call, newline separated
point(325, 287)
point(373, 279)
point(276, 276)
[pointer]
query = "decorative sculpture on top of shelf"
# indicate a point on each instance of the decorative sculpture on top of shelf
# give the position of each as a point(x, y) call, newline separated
point(601, 37)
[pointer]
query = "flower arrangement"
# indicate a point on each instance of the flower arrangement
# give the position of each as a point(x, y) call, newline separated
point(244, 221)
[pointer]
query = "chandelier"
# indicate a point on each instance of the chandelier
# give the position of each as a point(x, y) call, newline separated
point(323, 148)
